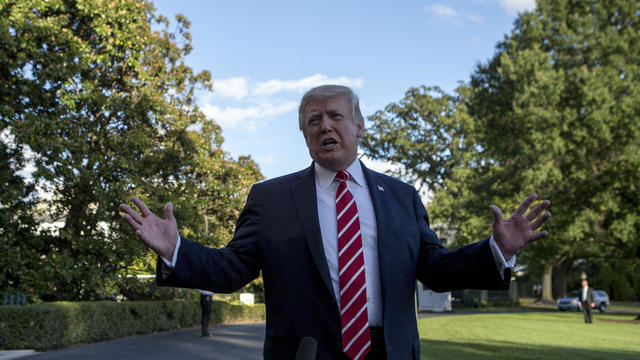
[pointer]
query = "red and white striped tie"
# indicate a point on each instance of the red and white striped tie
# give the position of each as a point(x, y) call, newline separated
point(353, 293)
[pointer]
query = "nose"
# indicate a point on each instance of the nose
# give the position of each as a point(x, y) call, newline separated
point(326, 124)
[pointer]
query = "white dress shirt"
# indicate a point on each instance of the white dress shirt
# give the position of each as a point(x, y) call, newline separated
point(326, 189)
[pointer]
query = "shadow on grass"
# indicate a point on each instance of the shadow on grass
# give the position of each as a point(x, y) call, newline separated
point(437, 349)
point(502, 309)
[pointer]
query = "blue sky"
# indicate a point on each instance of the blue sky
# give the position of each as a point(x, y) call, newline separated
point(264, 54)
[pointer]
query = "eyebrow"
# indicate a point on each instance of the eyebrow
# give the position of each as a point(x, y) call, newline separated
point(330, 112)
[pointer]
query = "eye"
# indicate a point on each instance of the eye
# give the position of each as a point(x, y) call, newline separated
point(313, 120)
point(336, 115)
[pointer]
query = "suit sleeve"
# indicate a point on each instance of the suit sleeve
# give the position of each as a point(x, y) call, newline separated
point(219, 270)
point(469, 267)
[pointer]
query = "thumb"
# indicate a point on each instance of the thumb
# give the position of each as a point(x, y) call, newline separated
point(168, 211)
point(497, 215)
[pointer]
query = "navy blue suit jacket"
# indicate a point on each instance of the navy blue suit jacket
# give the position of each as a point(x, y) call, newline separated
point(278, 233)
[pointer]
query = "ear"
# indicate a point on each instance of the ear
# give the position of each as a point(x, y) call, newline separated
point(359, 129)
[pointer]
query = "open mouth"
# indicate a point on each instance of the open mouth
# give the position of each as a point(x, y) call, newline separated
point(329, 143)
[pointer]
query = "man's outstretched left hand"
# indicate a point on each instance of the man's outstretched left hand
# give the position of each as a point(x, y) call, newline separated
point(514, 234)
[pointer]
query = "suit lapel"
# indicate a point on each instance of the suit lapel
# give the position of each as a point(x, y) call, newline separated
point(381, 204)
point(304, 193)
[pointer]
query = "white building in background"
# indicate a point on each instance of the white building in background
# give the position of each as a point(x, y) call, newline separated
point(247, 299)
point(429, 300)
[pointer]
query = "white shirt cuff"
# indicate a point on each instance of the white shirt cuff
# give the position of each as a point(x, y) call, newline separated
point(499, 258)
point(172, 263)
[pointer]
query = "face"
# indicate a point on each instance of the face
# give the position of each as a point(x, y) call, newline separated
point(331, 132)
point(584, 283)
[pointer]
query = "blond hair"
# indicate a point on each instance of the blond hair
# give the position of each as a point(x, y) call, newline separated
point(327, 91)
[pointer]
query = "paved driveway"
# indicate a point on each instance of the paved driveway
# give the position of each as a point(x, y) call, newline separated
point(232, 342)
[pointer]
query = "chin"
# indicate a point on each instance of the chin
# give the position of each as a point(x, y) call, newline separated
point(334, 165)
point(329, 164)
point(332, 161)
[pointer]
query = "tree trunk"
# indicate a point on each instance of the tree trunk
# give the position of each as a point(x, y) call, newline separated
point(560, 274)
point(547, 297)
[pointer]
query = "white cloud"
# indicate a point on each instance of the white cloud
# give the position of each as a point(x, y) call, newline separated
point(513, 7)
point(448, 14)
point(235, 88)
point(253, 103)
point(231, 117)
point(440, 10)
point(274, 86)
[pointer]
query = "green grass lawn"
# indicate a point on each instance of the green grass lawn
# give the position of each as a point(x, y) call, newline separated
point(530, 335)
point(625, 306)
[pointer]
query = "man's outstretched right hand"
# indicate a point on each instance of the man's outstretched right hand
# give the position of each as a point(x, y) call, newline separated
point(159, 234)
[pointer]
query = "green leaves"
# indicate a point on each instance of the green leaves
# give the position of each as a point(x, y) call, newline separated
point(555, 112)
point(98, 90)
point(562, 87)
point(423, 132)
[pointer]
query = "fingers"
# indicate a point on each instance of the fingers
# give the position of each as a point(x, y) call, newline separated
point(525, 204)
point(536, 224)
point(132, 213)
point(131, 217)
point(538, 236)
point(497, 215)
point(538, 210)
point(168, 211)
point(134, 224)
point(143, 208)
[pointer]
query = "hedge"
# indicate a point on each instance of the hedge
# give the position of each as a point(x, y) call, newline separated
point(62, 324)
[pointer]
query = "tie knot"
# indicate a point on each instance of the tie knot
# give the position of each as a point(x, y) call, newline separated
point(342, 176)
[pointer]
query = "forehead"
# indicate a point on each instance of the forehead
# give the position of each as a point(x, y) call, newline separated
point(329, 104)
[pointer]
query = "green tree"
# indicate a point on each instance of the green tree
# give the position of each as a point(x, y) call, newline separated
point(16, 220)
point(425, 133)
point(99, 91)
point(563, 88)
point(554, 111)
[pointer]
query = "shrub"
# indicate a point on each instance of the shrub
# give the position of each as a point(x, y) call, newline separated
point(60, 324)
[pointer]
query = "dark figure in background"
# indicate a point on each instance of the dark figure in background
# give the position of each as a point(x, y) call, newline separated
point(205, 304)
point(587, 301)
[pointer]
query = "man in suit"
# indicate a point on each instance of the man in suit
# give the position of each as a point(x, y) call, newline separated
point(339, 246)
point(587, 301)
point(205, 305)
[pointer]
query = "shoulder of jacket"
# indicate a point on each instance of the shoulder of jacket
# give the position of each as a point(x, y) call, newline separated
point(281, 180)
point(378, 178)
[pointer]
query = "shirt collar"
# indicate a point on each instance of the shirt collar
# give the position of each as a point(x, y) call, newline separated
point(325, 177)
